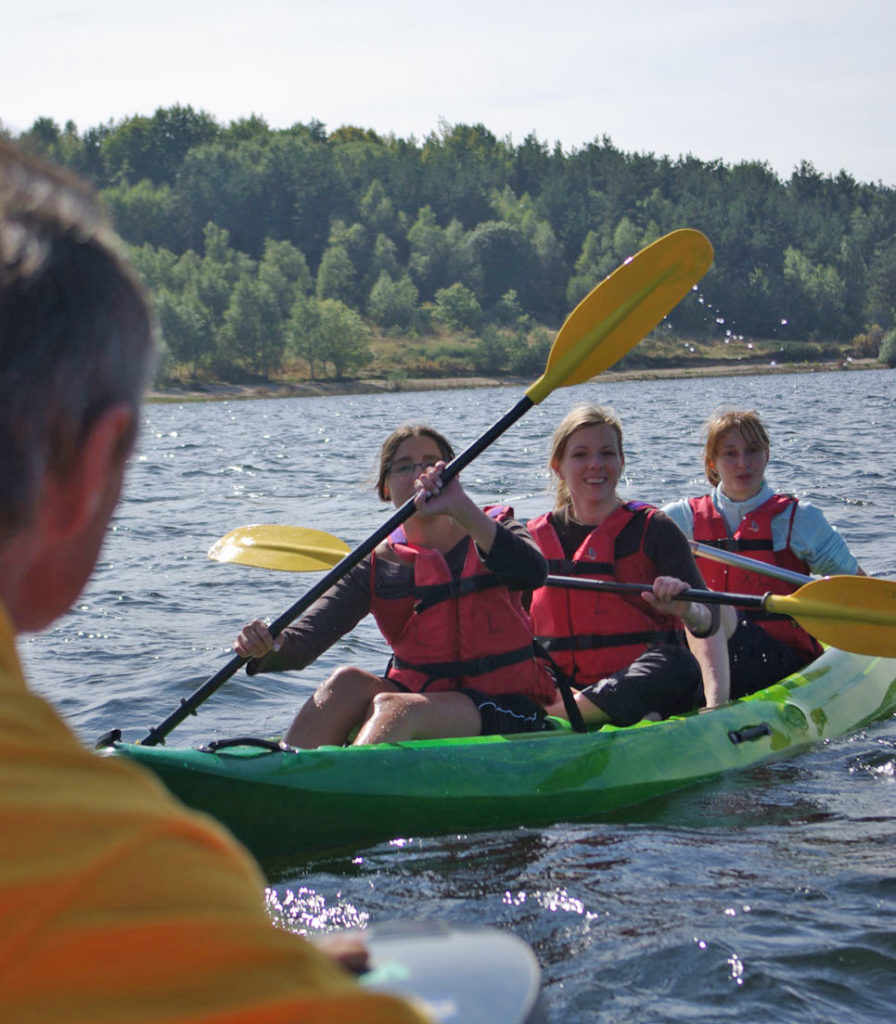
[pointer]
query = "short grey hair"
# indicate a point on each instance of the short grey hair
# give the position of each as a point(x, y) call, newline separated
point(77, 334)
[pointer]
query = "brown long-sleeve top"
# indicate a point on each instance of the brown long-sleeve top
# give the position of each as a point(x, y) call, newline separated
point(514, 558)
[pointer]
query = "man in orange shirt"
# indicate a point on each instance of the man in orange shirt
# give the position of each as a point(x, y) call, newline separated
point(116, 903)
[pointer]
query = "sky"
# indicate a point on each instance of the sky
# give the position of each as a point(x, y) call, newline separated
point(776, 81)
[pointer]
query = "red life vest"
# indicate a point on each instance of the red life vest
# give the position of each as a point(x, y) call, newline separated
point(453, 632)
point(592, 633)
point(753, 537)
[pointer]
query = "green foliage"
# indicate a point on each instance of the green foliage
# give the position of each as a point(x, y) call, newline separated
point(867, 344)
point(508, 312)
point(236, 226)
point(251, 335)
point(458, 307)
point(528, 353)
point(491, 351)
point(888, 348)
point(504, 260)
point(154, 147)
point(437, 257)
point(817, 291)
point(186, 327)
point(808, 352)
point(337, 277)
point(145, 213)
point(284, 269)
point(326, 331)
point(393, 303)
point(344, 337)
point(302, 333)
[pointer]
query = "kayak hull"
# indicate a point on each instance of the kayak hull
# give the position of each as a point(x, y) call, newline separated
point(286, 802)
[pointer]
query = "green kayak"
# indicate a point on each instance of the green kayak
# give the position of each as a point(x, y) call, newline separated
point(281, 801)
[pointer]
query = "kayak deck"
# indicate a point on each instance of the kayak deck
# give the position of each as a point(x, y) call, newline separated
point(284, 801)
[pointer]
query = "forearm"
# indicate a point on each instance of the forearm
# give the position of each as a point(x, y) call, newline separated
point(330, 617)
point(712, 656)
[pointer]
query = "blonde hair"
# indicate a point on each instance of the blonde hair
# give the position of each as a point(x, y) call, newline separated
point(575, 419)
point(748, 423)
point(396, 438)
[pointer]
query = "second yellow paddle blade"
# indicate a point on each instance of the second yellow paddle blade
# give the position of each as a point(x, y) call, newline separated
point(286, 548)
point(854, 613)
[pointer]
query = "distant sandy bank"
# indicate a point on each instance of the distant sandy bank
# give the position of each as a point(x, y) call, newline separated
point(217, 391)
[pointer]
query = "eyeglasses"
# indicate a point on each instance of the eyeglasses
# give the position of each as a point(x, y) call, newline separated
point(406, 468)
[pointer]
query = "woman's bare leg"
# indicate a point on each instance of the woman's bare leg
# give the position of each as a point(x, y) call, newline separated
point(336, 707)
point(418, 716)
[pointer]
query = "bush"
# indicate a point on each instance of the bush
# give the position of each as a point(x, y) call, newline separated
point(867, 344)
point(457, 307)
point(888, 349)
point(809, 352)
point(491, 352)
point(528, 353)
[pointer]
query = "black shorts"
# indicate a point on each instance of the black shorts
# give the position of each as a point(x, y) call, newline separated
point(757, 660)
point(665, 679)
point(506, 713)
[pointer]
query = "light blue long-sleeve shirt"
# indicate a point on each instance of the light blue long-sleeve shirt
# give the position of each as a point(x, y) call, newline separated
point(813, 539)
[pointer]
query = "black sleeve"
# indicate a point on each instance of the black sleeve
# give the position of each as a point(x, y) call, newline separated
point(331, 616)
point(515, 557)
point(668, 548)
point(671, 553)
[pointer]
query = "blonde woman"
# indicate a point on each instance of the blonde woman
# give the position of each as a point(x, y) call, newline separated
point(628, 656)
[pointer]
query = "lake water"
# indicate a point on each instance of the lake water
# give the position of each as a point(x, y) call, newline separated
point(768, 896)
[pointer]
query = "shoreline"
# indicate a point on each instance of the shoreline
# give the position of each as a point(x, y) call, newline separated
point(218, 391)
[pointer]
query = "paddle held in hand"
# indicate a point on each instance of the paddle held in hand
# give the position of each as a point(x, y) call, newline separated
point(776, 572)
point(606, 324)
point(854, 613)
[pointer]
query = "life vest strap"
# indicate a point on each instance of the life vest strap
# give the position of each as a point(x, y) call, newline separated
point(471, 667)
point(568, 567)
point(432, 594)
point(586, 642)
point(744, 544)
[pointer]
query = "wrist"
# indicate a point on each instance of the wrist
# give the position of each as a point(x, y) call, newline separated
point(705, 621)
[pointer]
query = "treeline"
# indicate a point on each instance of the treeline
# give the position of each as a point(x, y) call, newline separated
point(299, 245)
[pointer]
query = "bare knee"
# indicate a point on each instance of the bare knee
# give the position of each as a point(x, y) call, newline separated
point(390, 703)
point(390, 715)
point(398, 716)
point(336, 707)
point(348, 679)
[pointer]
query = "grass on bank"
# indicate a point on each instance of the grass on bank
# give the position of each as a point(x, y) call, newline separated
point(510, 354)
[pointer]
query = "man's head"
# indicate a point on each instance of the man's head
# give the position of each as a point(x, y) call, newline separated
point(76, 344)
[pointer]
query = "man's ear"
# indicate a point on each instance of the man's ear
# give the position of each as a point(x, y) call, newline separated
point(93, 480)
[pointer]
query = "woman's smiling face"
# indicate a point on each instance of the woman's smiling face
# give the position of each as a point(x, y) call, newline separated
point(590, 466)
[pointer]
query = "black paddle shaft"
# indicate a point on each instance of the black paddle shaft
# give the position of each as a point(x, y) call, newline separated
point(702, 596)
point(189, 704)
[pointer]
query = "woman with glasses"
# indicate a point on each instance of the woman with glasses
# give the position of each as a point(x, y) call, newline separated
point(445, 589)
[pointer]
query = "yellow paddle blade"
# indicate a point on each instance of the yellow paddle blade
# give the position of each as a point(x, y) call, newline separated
point(623, 308)
point(854, 613)
point(288, 548)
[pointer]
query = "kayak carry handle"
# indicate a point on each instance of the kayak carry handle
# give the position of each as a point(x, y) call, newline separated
point(749, 733)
